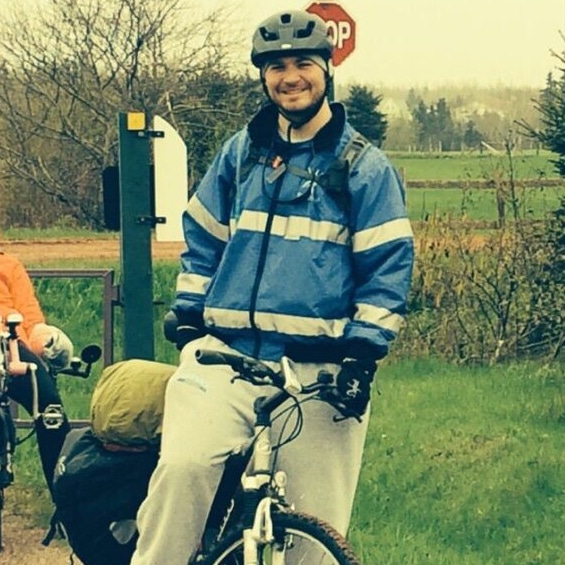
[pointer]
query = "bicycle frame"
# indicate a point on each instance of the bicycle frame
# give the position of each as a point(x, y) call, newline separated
point(11, 366)
point(262, 489)
point(249, 488)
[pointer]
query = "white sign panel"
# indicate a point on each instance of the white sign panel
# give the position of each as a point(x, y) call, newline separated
point(171, 181)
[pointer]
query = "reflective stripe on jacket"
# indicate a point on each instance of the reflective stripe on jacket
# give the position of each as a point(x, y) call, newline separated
point(276, 265)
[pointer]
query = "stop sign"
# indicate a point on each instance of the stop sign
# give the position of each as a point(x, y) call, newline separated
point(341, 25)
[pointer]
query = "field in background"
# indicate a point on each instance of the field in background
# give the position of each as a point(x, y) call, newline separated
point(468, 199)
point(479, 204)
point(462, 466)
point(455, 166)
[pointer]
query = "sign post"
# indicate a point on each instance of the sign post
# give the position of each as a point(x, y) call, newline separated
point(136, 294)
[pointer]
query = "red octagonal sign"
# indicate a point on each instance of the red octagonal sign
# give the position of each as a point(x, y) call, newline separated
point(342, 28)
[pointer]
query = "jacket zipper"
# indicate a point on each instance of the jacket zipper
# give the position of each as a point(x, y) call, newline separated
point(261, 265)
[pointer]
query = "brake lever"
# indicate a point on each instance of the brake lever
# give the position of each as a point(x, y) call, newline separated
point(331, 396)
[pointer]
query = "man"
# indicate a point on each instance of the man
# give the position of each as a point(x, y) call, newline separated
point(45, 345)
point(281, 259)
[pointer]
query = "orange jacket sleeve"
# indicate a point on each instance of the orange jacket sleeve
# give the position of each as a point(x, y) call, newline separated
point(17, 294)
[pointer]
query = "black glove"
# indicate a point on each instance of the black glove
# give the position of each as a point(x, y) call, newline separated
point(354, 383)
point(180, 334)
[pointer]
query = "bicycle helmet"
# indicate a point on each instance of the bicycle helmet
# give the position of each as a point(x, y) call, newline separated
point(290, 32)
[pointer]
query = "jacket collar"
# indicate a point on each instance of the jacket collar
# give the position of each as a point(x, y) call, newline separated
point(263, 127)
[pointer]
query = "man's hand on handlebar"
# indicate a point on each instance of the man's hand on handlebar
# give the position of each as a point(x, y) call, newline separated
point(354, 384)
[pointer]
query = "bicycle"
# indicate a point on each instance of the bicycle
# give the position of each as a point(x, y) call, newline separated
point(11, 367)
point(253, 523)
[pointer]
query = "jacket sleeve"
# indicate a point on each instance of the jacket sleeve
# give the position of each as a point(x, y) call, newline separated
point(206, 232)
point(383, 257)
point(18, 296)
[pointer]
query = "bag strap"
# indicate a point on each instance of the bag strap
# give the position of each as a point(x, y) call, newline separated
point(334, 181)
point(354, 149)
point(55, 527)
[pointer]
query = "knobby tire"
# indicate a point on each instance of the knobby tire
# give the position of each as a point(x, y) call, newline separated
point(307, 535)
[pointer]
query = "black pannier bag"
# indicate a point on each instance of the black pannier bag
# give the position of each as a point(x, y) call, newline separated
point(97, 491)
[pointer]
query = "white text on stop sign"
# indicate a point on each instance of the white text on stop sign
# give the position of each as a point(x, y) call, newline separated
point(340, 32)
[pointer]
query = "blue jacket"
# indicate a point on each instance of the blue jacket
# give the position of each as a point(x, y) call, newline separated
point(275, 264)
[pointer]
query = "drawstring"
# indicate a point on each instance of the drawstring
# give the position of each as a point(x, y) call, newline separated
point(288, 132)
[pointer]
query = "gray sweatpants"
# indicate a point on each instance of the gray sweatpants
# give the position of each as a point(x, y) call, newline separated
point(206, 418)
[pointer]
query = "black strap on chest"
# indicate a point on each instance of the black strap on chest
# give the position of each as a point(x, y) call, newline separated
point(335, 180)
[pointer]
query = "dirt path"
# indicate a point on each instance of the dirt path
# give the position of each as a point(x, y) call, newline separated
point(22, 545)
point(36, 251)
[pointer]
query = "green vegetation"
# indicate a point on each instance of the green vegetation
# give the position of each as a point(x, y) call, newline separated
point(478, 204)
point(55, 232)
point(463, 466)
point(468, 201)
point(464, 167)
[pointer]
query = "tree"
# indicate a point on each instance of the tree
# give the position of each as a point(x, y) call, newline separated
point(363, 113)
point(472, 137)
point(551, 107)
point(436, 129)
point(424, 130)
point(68, 70)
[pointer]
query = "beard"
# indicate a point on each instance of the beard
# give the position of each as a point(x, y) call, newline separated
point(302, 116)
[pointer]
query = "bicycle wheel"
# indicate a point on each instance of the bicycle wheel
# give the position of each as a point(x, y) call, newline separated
point(300, 539)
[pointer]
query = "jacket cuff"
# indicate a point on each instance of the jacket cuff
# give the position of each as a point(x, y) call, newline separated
point(192, 319)
point(358, 349)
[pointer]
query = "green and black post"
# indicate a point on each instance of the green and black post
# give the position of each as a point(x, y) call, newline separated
point(136, 291)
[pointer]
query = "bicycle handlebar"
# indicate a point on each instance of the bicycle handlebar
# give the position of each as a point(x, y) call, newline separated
point(10, 356)
point(211, 357)
point(256, 372)
point(89, 355)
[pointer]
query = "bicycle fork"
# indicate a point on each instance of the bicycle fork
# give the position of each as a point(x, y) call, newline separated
point(259, 531)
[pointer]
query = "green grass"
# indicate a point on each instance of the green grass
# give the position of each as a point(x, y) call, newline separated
point(55, 233)
point(479, 204)
point(466, 166)
point(464, 466)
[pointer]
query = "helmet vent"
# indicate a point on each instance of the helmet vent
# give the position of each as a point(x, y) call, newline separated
point(307, 31)
point(268, 35)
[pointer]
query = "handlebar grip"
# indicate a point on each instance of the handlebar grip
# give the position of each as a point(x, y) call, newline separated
point(211, 357)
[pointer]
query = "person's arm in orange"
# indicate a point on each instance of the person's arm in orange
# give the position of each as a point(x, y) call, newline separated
point(17, 295)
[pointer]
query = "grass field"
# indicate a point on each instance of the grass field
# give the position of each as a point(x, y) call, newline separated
point(467, 202)
point(473, 166)
point(479, 204)
point(462, 467)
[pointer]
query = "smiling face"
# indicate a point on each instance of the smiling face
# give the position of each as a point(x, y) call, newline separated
point(295, 84)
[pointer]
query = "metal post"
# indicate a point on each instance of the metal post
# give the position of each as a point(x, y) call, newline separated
point(136, 294)
point(109, 299)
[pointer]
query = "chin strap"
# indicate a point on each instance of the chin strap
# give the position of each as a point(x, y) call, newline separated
point(302, 117)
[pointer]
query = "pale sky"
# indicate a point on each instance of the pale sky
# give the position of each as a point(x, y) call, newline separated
point(438, 42)
point(427, 42)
